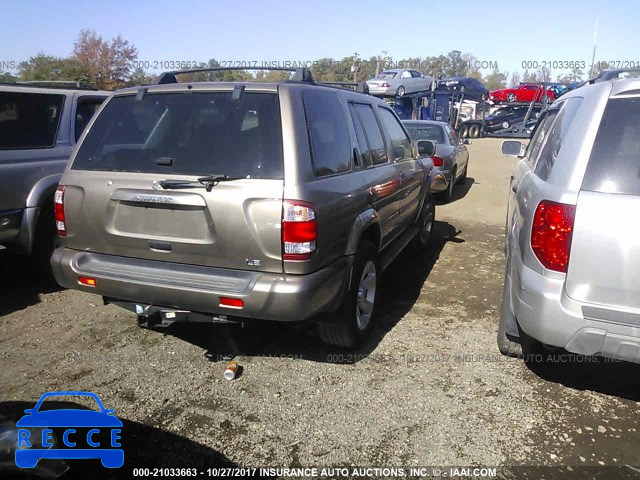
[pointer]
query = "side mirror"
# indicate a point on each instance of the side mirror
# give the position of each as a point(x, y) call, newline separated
point(513, 148)
point(109, 411)
point(29, 411)
point(426, 147)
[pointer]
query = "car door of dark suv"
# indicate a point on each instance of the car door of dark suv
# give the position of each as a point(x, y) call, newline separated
point(381, 177)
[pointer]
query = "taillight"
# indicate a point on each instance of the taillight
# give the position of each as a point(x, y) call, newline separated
point(551, 234)
point(299, 230)
point(385, 85)
point(58, 211)
point(437, 161)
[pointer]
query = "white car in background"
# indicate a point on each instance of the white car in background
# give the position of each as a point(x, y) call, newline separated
point(397, 82)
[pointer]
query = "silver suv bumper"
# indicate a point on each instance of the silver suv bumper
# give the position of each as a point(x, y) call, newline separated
point(546, 313)
point(268, 296)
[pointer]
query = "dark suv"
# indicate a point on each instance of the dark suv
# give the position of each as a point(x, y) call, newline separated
point(39, 125)
point(231, 201)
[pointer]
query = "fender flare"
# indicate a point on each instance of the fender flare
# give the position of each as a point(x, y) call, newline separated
point(38, 196)
point(363, 221)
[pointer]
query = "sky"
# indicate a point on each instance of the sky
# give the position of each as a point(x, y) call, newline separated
point(508, 33)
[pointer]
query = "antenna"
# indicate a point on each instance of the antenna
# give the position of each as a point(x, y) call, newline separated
point(595, 38)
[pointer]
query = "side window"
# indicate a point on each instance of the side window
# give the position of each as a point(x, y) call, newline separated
point(539, 136)
point(400, 142)
point(405, 74)
point(614, 164)
point(551, 148)
point(415, 74)
point(453, 136)
point(372, 131)
point(328, 132)
point(86, 109)
point(363, 144)
point(29, 120)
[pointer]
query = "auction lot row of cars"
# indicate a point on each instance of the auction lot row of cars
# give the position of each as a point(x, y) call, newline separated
point(234, 201)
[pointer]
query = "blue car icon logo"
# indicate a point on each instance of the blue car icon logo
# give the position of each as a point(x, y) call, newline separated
point(80, 434)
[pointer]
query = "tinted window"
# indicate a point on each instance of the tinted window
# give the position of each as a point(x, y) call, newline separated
point(614, 165)
point(388, 75)
point(29, 120)
point(363, 145)
point(200, 133)
point(426, 132)
point(328, 132)
point(85, 110)
point(373, 133)
point(558, 132)
point(400, 142)
point(415, 74)
point(540, 136)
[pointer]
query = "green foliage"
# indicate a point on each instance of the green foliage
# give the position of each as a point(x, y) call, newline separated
point(46, 67)
point(495, 80)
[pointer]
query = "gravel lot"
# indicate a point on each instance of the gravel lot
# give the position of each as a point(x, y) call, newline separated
point(429, 389)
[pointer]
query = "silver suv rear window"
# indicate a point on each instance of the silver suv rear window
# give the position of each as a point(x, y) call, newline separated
point(187, 133)
point(614, 165)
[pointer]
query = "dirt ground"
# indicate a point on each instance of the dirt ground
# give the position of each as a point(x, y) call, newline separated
point(429, 389)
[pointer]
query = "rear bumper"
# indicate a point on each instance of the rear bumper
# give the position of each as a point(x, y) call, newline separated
point(546, 313)
point(267, 296)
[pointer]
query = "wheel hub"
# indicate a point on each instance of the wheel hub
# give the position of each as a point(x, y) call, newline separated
point(366, 295)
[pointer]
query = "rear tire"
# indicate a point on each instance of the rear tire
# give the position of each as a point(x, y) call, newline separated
point(511, 98)
point(354, 318)
point(463, 178)
point(401, 91)
point(425, 223)
point(448, 193)
point(474, 131)
point(463, 132)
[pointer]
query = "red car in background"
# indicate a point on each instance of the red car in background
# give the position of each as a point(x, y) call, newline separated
point(524, 93)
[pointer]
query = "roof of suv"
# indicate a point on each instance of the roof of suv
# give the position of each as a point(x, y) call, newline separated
point(21, 88)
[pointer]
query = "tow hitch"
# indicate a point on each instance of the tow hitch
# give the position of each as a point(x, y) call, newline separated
point(151, 316)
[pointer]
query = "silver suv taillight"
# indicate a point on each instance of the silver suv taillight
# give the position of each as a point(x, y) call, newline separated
point(58, 211)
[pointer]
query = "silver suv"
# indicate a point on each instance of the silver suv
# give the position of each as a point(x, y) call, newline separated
point(40, 123)
point(231, 201)
point(572, 232)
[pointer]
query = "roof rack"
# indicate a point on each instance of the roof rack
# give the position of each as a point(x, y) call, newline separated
point(299, 74)
point(68, 84)
point(610, 75)
point(360, 87)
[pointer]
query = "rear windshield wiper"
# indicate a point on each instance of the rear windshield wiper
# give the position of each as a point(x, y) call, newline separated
point(208, 182)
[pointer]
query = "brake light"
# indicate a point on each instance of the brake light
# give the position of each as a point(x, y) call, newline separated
point(299, 230)
point(386, 85)
point(551, 234)
point(58, 211)
point(437, 161)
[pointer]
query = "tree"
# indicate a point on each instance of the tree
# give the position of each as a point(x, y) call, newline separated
point(6, 77)
point(515, 80)
point(140, 77)
point(530, 77)
point(496, 80)
point(109, 63)
point(49, 68)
